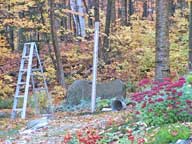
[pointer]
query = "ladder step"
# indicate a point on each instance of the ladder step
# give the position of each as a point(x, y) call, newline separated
point(21, 83)
point(25, 57)
point(18, 109)
point(37, 69)
point(39, 89)
point(33, 70)
point(20, 96)
point(23, 70)
point(28, 43)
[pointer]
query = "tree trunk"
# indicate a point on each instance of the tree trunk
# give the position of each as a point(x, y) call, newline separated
point(124, 13)
point(119, 9)
point(162, 67)
point(77, 6)
point(90, 20)
point(113, 13)
point(60, 72)
point(145, 8)
point(171, 8)
point(51, 56)
point(131, 9)
point(81, 18)
point(64, 18)
point(182, 6)
point(97, 19)
point(11, 39)
point(73, 7)
point(21, 38)
point(190, 37)
point(96, 10)
point(107, 30)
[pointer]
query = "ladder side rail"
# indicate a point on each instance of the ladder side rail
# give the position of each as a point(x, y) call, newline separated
point(13, 114)
point(44, 80)
point(41, 69)
point(27, 81)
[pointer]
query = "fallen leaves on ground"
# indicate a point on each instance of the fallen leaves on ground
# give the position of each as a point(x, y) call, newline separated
point(65, 122)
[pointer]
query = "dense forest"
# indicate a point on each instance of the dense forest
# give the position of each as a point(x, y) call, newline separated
point(130, 61)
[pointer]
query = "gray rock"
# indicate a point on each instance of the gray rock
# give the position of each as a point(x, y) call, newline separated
point(37, 123)
point(81, 90)
point(183, 141)
point(180, 141)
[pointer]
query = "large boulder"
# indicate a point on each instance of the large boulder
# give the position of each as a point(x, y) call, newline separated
point(81, 90)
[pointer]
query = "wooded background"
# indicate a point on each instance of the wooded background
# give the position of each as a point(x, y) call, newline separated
point(55, 22)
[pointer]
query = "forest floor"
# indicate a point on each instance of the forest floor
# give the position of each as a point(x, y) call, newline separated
point(58, 125)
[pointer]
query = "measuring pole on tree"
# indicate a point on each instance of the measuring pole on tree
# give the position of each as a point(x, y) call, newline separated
point(95, 60)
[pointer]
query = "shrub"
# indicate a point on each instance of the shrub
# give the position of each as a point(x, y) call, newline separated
point(169, 134)
point(102, 103)
point(6, 103)
point(164, 102)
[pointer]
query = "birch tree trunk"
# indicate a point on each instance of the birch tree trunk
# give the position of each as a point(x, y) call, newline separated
point(74, 8)
point(81, 18)
point(77, 6)
point(162, 66)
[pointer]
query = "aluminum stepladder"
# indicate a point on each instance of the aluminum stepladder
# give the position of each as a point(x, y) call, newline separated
point(27, 72)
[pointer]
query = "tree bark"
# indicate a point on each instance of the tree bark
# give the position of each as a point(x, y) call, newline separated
point(97, 19)
point(11, 39)
point(126, 12)
point(51, 56)
point(131, 9)
point(60, 72)
point(190, 38)
point(171, 8)
point(113, 12)
point(96, 9)
point(11, 33)
point(124, 16)
point(107, 30)
point(64, 18)
point(145, 8)
point(130, 12)
point(81, 19)
point(87, 8)
point(162, 67)
point(182, 6)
